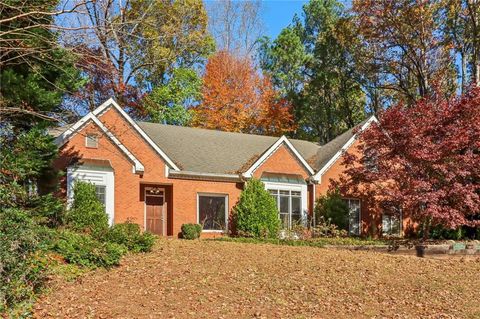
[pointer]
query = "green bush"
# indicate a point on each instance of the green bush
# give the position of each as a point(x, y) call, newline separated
point(256, 214)
point(82, 249)
point(22, 269)
point(332, 209)
point(129, 235)
point(87, 214)
point(191, 231)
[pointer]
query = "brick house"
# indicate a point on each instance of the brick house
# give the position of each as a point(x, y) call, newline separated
point(162, 176)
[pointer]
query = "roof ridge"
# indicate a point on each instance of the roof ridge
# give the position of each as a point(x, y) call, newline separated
point(224, 132)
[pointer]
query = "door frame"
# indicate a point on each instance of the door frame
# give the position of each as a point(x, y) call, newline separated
point(165, 222)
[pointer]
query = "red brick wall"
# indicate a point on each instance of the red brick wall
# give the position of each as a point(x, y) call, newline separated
point(282, 161)
point(371, 215)
point(181, 195)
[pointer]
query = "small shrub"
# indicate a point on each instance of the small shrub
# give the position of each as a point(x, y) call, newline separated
point(82, 249)
point(332, 208)
point(255, 214)
point(130, 235)
point(325, 228)
point(87, 214)
point(191, 231)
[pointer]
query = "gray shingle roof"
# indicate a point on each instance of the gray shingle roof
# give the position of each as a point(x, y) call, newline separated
point(210, 151)
point(327, 151)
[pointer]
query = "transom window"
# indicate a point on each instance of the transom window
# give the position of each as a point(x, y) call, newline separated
point(353, 216)
point(91, 140)
point(289, 205)
point(212, 211)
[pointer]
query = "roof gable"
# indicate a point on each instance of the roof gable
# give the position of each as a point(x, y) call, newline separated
point(271, 150)
point(329, 153)
point(91, 118)
point(63, 137)
point(217, 152)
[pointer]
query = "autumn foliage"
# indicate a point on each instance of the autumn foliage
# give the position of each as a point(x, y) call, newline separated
point(236, 98)
point(425, 159)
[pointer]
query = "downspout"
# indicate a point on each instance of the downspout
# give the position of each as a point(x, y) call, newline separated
point(313, 206)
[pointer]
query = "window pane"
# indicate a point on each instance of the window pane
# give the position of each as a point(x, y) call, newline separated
point(284, 204)
point(273, 191)
point(100, 192)
point(354, 216)
point(284, 220)
point(391, 224)
point(212, 212)
point(284, 192)
point(296, 193)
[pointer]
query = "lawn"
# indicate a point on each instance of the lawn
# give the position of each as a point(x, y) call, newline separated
point(215, 279)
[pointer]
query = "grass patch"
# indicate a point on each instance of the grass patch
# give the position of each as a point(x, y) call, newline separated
point(316, 242)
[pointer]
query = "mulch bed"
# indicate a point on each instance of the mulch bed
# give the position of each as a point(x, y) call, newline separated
point(209, 279)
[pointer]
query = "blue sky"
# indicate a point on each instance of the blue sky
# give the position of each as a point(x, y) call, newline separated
point(277, 14)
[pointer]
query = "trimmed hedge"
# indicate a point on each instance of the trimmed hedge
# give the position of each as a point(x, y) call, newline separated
point(256, 213)
point(191, 231)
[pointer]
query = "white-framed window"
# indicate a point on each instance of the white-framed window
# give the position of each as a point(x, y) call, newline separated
point(392, 223)
point(104, 180)
point(101, 192)
point(289, 205)
point(354, 217)
point(212, 211)
point(91, 140)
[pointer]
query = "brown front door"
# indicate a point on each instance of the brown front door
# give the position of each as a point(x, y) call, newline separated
point(156, 217)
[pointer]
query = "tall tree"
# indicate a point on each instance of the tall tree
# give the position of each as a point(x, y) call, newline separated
point(424, 158)
point(236, 98)
point(312, 63)
point(171, 103)
point(140, 43)
point(35, 71)
point(462, 28)
point(235, 25)
point(410, 56)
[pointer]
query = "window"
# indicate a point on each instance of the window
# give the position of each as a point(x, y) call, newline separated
point(100, 191)
point(353, 216)
point(289, 204)
point(91, 140)
point(391, 221)
point(212, 211)
point(370, 160)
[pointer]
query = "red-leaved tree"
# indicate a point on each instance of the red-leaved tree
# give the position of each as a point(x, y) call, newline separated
point(425, 158)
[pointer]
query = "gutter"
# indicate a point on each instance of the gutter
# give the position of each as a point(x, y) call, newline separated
point(204, 176)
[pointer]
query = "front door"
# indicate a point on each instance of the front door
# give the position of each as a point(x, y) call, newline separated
point(156, 216)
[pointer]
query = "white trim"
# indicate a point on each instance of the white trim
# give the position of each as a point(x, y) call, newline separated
point(271, 150)
point(226, 210)
point(111, 101)
point(165, 222)
point(318, 176)
point(101, 176)
point(60, 140)
point(292, 187)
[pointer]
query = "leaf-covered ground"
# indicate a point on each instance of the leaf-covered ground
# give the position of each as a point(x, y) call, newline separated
point(209, 279)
